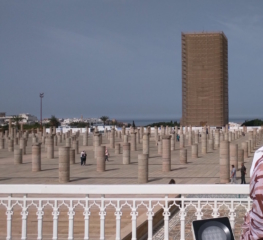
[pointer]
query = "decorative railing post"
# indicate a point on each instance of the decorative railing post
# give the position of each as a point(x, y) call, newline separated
point(102, 214)
point(182, 218)
point(55, 214)
point(39, 214)
point(166, 215)
point(71, 214)
point(86, 218)
point(150, 215)
point(198, 213)
point(118, 215)
point(24, 214)
point(215, 213)
point(134, 215)
point(9, 214)
point(232, 215)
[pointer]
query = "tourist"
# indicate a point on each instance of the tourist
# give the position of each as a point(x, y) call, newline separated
point(172, 181)
point(233, 174)
point(84, 158)
point(81, 157)
point(243, 173)
point(106, 155)
point(253, 227)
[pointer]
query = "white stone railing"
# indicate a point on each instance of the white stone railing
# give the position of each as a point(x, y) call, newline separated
point(131, 197)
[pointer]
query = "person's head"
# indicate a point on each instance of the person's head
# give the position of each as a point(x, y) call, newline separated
point(172, 181)
point(242, 164)
point(233, 166)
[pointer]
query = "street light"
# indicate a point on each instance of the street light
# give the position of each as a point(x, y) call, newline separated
point(41, 95)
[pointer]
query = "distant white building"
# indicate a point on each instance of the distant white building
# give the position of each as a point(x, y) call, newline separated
point(28, 118)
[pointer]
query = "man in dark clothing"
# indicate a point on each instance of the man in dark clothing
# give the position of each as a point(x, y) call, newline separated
point(243, 173)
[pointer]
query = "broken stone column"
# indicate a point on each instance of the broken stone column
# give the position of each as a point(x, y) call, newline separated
point(224, 162)
point(196, 137)
point(76, 146)
point(183, 156)
point(156, 133)
point(240, 156)
point(125, 138)
point(133, 141)
point(10, 145)
point(195, 151)
point(160, 149)
point(244, 146)
point(181, 140)
point(204, 142)
point(142, 168)
point(22, 145)
point(18, 157)
point(233, 155)
point(117, 148)
point(85, 137)
point(166, 153)
point(64, 166)
point(2, 143)
point(172, 141)
point(190, 140)
point(96, 142)
point(112, 138)
point(72, 156)
point(68, 142)
point(36, 157)
point(138, 136)
point(145, 144)
point(126, 153)
point(217, 139)
point(50, 146)
point(100, 158)
point(210, 145)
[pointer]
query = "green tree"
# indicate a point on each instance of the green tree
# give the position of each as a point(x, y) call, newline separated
point(254, 122)
point(54, 122)
point(104, 119)
point(16, 119)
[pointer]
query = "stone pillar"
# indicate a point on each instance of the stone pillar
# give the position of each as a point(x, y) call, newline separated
point(59, 136)
point(160, 148)
point(72, 156)
point(133, 141)
point(240, 157)
point(50, 146)
point(36, 157)
point(22, 145)
point(181, 140)
point(166, 153)
point(145, 144)
point(55, 139)
point(156, 133)
point(172, 141)
point(142, 168)
point(22, 127)
point(149, 131)
point(190, 140)
point(245, 148)
point(195, 151)
point(10, 145)
point(100, 158)
point(68, 142)
point(2, 143)
point(210, 145)
point(117, 148)
point(138, 136)
point(64, 166)
point(217, 139)
point(224, 162)
point(76, 146)
point(233, 155)
point(10, 125)
point(125, 138)
point(183, 156)
point(86, 137)
point(112, 138)
point(204, 142)
point(96, 142)
point(196, 137)
point(18, 157)
point(126, 153)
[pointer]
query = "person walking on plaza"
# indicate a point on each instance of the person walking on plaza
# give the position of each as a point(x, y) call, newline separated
point(233, 174)
point(82, 157)
point(243, 173)
point(106, 155)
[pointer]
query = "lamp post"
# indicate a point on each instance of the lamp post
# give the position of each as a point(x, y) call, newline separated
point(41, 95)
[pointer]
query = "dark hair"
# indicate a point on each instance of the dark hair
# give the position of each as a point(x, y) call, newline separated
point(233, 166)
point(172, 181)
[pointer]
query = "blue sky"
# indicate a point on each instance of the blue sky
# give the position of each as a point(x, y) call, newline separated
point(121, 58)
